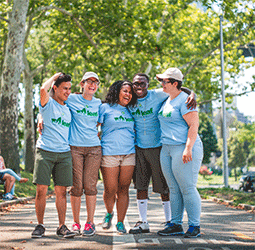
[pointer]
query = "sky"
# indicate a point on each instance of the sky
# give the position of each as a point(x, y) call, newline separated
point(246, 103)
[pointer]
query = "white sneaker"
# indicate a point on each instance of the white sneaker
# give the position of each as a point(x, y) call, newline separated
point(8, 197)
point(140, 227)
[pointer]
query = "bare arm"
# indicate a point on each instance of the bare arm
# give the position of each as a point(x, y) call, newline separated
point(44, 94)
point(193, 122)
point(191, 100)
point(39, 123)
point(2, 160)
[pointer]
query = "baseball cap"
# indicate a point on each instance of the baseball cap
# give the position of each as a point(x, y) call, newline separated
point(173, 73)
point(88, 75)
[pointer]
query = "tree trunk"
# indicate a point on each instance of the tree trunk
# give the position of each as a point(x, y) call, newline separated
point(12, 68)
point(29, 136)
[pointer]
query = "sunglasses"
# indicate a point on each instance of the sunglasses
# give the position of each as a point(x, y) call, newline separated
point(164, 82)
point(141, 84)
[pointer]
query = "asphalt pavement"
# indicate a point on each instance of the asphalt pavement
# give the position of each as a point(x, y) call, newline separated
point(222, 228)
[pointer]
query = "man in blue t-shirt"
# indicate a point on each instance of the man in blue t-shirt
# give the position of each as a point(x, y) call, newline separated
point(53, 156)
point(148, 148)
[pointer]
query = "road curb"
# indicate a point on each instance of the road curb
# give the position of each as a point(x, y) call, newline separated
point(231, 203)
point(14, 202)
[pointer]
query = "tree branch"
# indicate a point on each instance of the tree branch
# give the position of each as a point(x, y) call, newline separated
point(72, 16)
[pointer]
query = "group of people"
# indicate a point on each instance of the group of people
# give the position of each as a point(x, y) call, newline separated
point(144, 134)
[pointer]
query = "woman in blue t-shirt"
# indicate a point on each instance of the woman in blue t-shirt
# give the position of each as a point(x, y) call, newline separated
point(181, 155)
point(118, 148)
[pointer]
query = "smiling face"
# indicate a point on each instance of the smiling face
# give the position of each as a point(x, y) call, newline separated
point(62, 92)
point(140, 86)
point(125, 95)
point(89, 86)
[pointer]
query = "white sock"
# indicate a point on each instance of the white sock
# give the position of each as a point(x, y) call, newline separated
point(167, 210)
point(142, 209)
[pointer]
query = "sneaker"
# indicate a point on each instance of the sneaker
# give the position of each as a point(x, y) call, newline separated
point(89, 229)
point(76, 228)
point(38, 232)
point(8, 197)
point(107, 222)
point(121, 228)
point(193, 232)
point(171, 229)
point(63, 231)
point(140, 227)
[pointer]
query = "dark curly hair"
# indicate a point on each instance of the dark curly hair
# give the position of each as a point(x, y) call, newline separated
point(63, 78)
point(112, 96)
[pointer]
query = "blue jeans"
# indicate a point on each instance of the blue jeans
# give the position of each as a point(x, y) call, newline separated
point(182, 180)
point(12, 173)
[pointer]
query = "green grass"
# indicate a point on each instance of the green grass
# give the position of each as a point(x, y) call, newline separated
point(215, 180)
point(27, 189)
point(237, 197)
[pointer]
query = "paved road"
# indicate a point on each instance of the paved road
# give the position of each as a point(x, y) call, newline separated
point(222, 228)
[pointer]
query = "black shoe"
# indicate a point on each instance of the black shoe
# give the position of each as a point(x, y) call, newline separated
point(38, 232)
point(171, 229)
point(63, 231)
point(193, 232)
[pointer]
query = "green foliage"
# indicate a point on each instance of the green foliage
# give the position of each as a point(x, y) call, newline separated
point(240, 146)
point(228, 194)
point(208, 136)
point(117, 40)
point(28, 189)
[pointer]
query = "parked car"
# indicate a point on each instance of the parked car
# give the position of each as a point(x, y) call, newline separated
point(247, 182)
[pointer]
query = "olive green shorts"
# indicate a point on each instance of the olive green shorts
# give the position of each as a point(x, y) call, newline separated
point(59, 165)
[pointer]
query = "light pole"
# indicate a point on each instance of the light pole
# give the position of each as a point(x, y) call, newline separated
point(224, 126)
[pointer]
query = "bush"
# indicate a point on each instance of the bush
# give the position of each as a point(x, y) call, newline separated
point(204, 171)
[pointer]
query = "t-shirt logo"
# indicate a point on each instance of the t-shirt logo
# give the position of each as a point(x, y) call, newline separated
point(61, 122)
point(123, 119)
point(143, 113)
point(85, 111)
point(165, 114)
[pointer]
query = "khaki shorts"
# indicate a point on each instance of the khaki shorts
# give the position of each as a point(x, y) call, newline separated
point(147, 167)
point(86, 164)
point(59, 165)
point(111, 161)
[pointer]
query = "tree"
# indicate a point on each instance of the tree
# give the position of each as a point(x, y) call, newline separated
point(208, 137)
point(10, 79)
point(240, 146)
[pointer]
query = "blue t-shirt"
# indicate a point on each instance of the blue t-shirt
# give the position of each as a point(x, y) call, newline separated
point(56, 123)
point(145, 114)
point(118, 136)
point(174, 129)
point(83, 130)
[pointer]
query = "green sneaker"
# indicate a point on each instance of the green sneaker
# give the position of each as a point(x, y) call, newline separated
point(121, 228)
point(107, 222)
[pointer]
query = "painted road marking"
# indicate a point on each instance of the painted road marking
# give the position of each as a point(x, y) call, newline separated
point(242, 236)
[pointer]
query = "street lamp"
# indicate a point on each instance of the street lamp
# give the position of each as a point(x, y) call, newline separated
point(223, 110)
